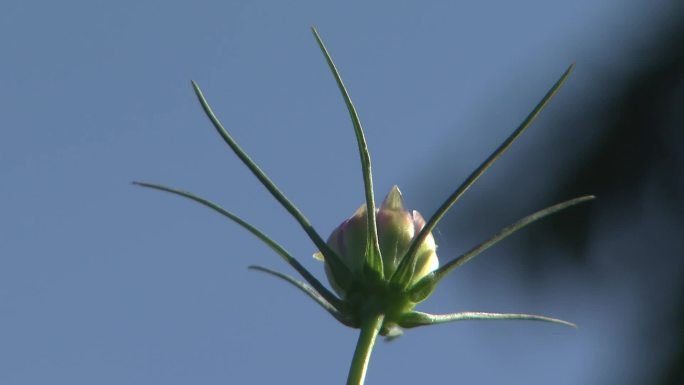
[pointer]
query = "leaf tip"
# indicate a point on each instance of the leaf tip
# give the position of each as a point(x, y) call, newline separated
point(585, 198)
point(559, 321)
point(141, 184)
point(196, 88)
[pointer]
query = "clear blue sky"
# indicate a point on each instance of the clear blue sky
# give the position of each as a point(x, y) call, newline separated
point(105, 283)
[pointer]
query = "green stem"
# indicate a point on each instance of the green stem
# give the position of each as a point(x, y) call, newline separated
point(364, 346)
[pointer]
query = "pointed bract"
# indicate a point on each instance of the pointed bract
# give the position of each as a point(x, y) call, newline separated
point(372, 248)
point(416, 318)
point(342, 275)
point(449, 202)
point(330, 297)
point(312, 293)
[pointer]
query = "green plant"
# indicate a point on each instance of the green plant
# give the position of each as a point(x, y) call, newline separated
point(381, 265)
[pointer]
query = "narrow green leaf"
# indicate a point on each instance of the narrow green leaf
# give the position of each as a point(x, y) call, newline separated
point(372, 248)
point(327, 294)
point(342, 273)
point(311, 292)
point(416, 318)
point(434, 220)
point(424, 287)
point(440, 273)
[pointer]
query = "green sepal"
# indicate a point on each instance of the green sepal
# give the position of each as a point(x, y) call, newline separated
point(402, 279)
point(369, 274)
point(342, 274)
point(372, 249)
point(409, 260)
point(415, 318)
point(327, 294)
point(313, 294)
point(423, 288)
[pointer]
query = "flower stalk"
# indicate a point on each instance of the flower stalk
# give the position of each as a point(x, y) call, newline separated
point(364, 347)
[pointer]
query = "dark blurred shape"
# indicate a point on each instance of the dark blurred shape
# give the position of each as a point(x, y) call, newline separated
point(673, 367)
point(635, 165)
point(642, 141)
point(638, 158)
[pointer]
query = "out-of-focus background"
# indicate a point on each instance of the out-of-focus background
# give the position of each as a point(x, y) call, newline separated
point(102, 282)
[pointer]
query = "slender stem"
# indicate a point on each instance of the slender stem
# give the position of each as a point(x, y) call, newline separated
point(364, 346)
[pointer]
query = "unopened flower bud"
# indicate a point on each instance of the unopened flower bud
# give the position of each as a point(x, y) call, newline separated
point(397, 227)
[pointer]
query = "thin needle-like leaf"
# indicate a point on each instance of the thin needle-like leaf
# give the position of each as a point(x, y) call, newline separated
point(372, 248)
point(327, 294)
point(342, 273)
point(427, 284)
point(416, 318)
point(407, 261)
point(311, 292)
point(507, 231)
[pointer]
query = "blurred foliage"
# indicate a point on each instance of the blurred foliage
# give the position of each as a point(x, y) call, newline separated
point(641, 141)
point(636, 157)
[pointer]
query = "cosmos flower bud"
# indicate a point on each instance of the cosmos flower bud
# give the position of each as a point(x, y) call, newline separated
point(376, 264)
point(397, 228)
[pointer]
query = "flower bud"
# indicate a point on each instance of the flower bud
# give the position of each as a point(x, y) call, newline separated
point(397, 227)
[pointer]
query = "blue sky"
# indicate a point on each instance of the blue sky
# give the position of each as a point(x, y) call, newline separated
point(105, 283)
